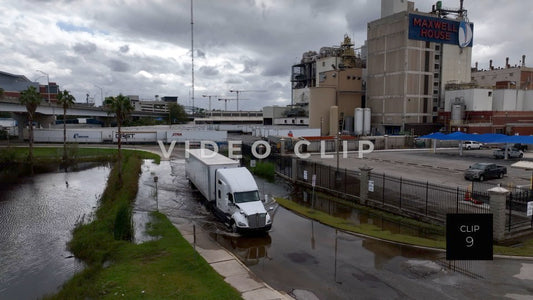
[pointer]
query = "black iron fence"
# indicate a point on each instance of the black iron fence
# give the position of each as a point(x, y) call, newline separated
point(415, 198)
point(424, 198)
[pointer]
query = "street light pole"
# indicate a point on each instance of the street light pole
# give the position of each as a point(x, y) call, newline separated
point(48, 86)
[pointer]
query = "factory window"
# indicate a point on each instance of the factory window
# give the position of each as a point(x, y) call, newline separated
point(301, 121)
point(437, 47)
point(323, 64)
point(436, 76)
point(490, 94)
point(437, 57)
point(437, 66)
point(511, 74)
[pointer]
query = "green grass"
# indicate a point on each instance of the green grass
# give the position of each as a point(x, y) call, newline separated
point(166, 268)
point(75, 153)
point(265, 170)
point(524, 248)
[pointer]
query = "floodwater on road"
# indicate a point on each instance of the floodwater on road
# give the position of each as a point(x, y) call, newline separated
point(37, 215)
point(307, 259)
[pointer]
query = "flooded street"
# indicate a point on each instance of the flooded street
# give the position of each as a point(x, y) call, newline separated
point(36, 218)
point(308, 259)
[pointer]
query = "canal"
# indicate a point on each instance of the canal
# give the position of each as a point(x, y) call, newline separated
point(37, 215)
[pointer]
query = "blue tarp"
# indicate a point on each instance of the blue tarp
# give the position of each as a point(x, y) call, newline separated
point(487, 138)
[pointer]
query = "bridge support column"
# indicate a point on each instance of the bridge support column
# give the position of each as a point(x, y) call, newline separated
point(45, 121)
point(22, 122)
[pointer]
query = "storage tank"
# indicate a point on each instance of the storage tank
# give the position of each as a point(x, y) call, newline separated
point(458, 110)
point(366, 124)
point(348, 124)
point(358, 121)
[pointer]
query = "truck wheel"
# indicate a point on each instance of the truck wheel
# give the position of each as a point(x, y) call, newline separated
point(481, 178)
point(233, 227)
point(500, 175)
point(521, 155)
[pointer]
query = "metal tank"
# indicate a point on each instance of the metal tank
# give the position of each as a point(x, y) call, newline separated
point(458, 110)
point(366, 123)
point(348, 124)
point(358, 121)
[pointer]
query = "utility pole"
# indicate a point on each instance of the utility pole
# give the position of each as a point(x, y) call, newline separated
point(192, 58)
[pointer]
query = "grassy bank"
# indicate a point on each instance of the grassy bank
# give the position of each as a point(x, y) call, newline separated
point(75, 154)
point(161, 269)
point(525, 248)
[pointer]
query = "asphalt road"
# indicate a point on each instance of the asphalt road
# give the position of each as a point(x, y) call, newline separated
point(444, 167)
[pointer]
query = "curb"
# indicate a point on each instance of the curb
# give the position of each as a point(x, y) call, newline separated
point(228, 265)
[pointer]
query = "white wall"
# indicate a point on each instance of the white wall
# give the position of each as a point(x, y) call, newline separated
point(474, 99)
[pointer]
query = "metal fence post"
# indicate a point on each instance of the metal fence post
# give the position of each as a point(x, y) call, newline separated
point(400, 193)
point(383, 190)
point(457, 201)
point(345, 182)
point(427, 191)
point(510, 211)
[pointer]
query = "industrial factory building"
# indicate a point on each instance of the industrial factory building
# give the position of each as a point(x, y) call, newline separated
point(327, 87)
point(411, 57)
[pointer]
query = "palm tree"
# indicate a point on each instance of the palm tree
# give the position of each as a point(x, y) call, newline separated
point(31, 99)
point(121, 107)
point(66, 100)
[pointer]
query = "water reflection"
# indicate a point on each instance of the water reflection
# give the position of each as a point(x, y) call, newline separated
point(36, 217)
point(327, 204)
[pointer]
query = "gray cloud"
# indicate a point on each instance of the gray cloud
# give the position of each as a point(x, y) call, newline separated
point(118, 65)
point(209, 71)
point(124, 49)
point(238, 44)
point(85, 48)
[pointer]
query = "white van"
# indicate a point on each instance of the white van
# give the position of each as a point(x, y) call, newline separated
point(469, 145)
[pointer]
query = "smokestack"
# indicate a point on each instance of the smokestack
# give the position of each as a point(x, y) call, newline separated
point(476, 66)
point(523, 60)
point(490, 65)
point(507, 62)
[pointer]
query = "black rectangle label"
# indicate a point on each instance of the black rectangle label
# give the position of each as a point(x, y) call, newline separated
point(469, 237)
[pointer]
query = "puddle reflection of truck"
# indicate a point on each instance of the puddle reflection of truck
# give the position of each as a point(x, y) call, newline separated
point(231, 191)
point(250, 250)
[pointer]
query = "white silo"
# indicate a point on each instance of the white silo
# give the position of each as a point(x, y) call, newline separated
point(366, 124)
point(358, 121)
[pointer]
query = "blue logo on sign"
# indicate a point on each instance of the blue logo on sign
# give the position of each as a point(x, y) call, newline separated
point(465, 34)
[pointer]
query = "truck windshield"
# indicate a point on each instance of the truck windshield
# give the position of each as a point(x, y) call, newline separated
point(243, 197)
point(478, 166)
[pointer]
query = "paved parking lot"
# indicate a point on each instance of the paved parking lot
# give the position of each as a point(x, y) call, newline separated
point(445, 166)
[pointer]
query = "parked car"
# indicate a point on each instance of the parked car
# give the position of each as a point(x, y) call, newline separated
point(519, 146)
point(468, 145)
point(511, 153)
point(482, 171)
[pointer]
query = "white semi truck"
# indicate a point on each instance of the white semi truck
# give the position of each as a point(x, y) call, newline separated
point(230, 190)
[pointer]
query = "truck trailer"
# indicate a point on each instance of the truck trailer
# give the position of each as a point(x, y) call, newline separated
point(230, 191)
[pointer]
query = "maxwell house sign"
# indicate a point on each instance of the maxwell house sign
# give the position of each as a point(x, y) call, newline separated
point(438, 30)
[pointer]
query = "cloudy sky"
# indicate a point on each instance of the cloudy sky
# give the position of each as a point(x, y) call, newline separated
point(143, 47)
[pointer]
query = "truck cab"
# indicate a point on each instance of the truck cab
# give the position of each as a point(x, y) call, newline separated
point(238, 201)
